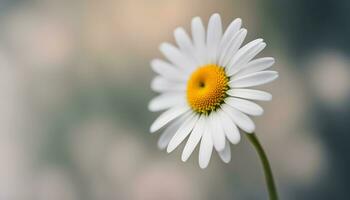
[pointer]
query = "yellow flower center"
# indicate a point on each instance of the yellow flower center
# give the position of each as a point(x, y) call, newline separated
point(206, 88)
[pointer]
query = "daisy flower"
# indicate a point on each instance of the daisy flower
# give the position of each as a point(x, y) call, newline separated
point(203, 86)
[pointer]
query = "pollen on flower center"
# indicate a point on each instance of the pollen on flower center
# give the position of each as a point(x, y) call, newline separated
point(206, 88)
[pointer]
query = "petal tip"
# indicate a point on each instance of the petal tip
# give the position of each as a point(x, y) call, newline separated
point(150, 106)
point(171, 147)
point(216, 15)
point(163, 46)
point(153, 63)
point(259, 113)
point(220, 147)
point(196, 19)
point(275, 76)
point(169, 150)
point(236, 140)
point(250, 128)
point(244, 31)
point(152, 129)
point(226, 160)
point(203, 163)
point(203, 166)
point(160, 146)
point(178, 30)
point(184, 158)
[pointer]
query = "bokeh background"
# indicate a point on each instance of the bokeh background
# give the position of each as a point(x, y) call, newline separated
point(74, 89)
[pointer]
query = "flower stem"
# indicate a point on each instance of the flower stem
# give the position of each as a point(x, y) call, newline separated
point(266, 166)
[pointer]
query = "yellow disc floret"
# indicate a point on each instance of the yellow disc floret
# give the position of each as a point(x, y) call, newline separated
point(206, 88)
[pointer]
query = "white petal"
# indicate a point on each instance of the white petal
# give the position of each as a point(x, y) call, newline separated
point(168, 116)
point(248, 56)
point(160, 84)
point(257, 78)
point(167, 70)
point(231, 30)
point(198, 36)
point(169, 132)
point(250, 94)
point(193, 140)
point(225, 154)
point(244, 55)
point(175, 56)
point(217, 132)
point(205, 150)
point(231, 48)
point(230, 128)
point(185, 43)
point(166, 100)
point(245, 106)
point(242, 120)
point(256, 66)
point(182, 132)
point(213, 37)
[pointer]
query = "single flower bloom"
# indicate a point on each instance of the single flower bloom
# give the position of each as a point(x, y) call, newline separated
point(203, 88)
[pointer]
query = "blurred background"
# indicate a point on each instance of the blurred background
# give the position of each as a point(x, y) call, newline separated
point(74, 89)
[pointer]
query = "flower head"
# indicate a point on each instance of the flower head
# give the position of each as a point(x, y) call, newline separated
point(203, 88)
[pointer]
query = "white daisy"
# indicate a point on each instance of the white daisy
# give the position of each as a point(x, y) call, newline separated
point(203, 91)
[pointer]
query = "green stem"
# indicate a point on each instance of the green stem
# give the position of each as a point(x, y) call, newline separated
point(266, 165)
